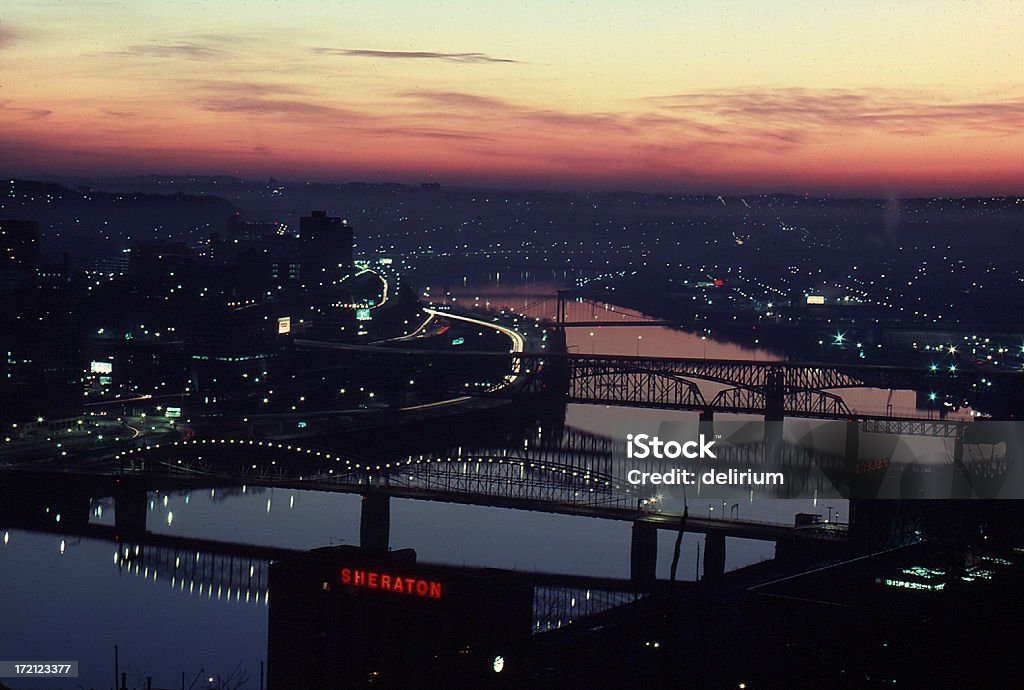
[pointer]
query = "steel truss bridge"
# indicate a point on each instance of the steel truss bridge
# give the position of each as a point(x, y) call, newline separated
point(801, 389)
point(774, 389)
point(566, 471)
point(583, 482)
point(669, 383)
point(792, 377)
point(575, 473)
point(488, 476)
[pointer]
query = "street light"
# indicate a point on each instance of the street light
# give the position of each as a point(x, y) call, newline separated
point(829, 513)
point(638, 339)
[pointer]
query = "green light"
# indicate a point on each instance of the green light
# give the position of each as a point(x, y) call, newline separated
point(932, 396)
point(952, 368)
point(933, 367)
point(839, 339)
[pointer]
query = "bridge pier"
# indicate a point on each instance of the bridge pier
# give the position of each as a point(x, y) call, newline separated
point(714, 555)
point(706, 425)
point(863, 477)
point(859, 483)
point(774, 408)
point(851, 455)
point(852, 445)
point(375, 522)
point(130, 508)
point(961, 487)
point(643, 553)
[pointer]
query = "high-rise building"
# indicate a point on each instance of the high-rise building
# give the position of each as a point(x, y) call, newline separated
point(40, 366)
point(326, 247)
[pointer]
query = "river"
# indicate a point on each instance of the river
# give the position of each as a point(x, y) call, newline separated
point(71, 599)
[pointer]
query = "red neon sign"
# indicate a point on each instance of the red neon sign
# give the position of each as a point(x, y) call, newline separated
point(371, 579)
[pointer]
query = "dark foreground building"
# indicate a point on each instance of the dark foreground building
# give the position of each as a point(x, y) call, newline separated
point(326, 247)
point(345, 617)
point(921, 615)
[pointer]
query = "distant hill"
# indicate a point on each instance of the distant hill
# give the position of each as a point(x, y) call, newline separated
point(87, 224)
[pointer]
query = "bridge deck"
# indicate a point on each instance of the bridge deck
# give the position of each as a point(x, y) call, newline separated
point(152, 480)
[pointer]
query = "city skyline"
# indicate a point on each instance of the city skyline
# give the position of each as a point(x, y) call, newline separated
point(870, 98)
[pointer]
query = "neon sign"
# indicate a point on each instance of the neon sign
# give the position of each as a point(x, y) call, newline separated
point(371, 579)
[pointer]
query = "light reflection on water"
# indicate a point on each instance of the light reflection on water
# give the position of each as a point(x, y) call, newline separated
point(662, 341)
point(439, 532)
point(77, 605)
point(78, 602)
point(71, 599)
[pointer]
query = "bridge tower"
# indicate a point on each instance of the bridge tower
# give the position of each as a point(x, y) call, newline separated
point(557, 373)
point(560, 310)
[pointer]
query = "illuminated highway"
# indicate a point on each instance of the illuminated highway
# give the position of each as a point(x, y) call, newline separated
point(518, 345)
point(88, 438)
point(385, 287)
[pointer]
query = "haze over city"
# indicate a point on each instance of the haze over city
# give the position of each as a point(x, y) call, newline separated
point(867, 98)
point(336, 335)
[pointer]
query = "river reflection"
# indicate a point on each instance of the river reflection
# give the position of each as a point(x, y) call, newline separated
point(661, 341)
point(76, 598)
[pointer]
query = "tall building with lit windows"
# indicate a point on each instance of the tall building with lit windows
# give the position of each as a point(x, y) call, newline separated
point(40, 368)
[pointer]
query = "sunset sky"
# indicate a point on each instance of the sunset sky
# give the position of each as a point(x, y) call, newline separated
point(841, 97)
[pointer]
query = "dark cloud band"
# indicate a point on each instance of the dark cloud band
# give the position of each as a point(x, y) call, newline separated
point(476, 58)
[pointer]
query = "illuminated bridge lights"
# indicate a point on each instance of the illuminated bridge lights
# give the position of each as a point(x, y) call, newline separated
point(583, 481)
point(906, 584)
point(996, 560)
